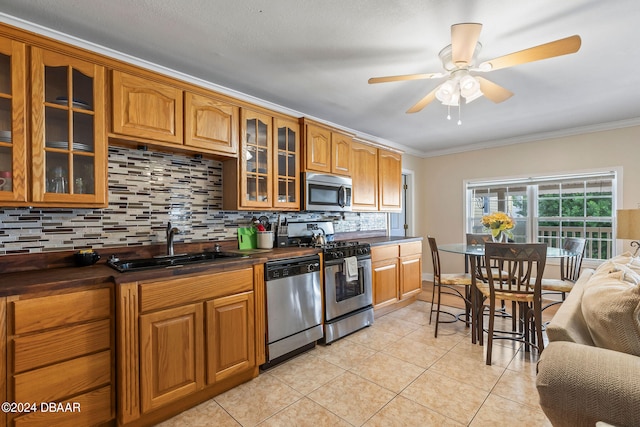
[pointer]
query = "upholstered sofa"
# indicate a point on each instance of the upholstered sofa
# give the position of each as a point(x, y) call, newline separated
point(590, 370)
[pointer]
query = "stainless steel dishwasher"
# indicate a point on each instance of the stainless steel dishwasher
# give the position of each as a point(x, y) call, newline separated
point(294, 307)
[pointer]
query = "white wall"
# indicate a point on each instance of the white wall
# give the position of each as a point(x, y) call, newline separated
point(439, 180)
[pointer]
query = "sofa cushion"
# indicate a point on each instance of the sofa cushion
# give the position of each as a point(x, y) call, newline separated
point(611, 306)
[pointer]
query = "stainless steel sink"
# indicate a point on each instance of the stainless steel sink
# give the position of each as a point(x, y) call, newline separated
point(139, 264)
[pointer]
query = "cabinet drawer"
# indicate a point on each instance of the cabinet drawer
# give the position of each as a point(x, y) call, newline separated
point(34, 351)
point(60, 310)
point(384, 252)
point(410, 248)
point(168, 293)
point(57, 382)
point(94, 409)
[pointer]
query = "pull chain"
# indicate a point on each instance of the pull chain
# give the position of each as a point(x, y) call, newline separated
point(459, 115)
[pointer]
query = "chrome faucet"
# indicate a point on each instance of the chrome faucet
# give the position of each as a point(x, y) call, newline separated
point(171, 231)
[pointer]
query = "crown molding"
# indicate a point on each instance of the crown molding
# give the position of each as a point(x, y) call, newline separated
point(599, 127)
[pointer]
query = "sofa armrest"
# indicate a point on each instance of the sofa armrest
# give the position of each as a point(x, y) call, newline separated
point(568, 324)
point(579, 385)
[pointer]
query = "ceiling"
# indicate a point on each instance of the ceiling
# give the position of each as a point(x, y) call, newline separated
point(314, 59)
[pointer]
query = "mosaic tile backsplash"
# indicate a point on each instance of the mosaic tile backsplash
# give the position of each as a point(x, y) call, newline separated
point(147, 190)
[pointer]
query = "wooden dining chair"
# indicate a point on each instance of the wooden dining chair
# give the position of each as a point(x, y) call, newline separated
point(449, 282)
point(569, 270)
point(522, 262)
point(480, 239)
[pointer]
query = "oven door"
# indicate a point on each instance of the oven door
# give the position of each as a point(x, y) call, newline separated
point(342, 296)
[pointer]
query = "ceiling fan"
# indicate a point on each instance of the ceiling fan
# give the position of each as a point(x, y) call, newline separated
point(459, 60)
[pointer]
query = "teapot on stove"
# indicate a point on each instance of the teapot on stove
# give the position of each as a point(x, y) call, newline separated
point(319, 239)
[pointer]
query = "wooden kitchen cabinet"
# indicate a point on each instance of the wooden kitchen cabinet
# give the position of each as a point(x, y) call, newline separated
point(145, 108)
point(68, 155)
point(171, 355)
point(326, 150)
point(286, 161)
point(67, 104)
point(61, 350)
point(397, 273)
point(210, 124)
point(266, 174)
point(410, 269)
point(377, 178)
point(185, 339)
point(389, 180)
point(13, 143)
point(385, 275)
point(230, 336)
point(364, 174)
point(256, 160)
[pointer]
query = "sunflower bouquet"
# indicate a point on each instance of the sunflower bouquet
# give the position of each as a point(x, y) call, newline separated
point(499, 223)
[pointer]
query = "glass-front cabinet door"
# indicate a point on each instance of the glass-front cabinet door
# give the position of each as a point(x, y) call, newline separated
point(255, 159)
point(13, 156)
point(286, 179)
point(68, 135)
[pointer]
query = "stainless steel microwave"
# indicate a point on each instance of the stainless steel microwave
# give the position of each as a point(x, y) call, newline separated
point(324, 192)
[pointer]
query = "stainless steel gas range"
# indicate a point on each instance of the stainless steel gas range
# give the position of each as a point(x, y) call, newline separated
point(347, 287)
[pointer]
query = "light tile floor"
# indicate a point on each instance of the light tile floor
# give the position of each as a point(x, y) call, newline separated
point(394, 373)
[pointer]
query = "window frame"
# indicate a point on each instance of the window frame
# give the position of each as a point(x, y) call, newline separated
point(532, 182)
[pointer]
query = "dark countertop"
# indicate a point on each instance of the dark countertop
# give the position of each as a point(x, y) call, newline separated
point(389, 240)
point(52, 279)
point(64, 277)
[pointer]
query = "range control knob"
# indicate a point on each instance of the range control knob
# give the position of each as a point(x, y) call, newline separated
point(313, 267)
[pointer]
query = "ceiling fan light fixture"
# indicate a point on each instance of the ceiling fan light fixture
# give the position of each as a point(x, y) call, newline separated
point(470, 88)
point(448, 93)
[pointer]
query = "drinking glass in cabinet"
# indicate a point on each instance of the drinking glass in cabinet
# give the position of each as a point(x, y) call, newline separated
point(57, 173)
point(83, 171)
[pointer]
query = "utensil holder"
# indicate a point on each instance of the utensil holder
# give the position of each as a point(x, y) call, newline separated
point(265, 239)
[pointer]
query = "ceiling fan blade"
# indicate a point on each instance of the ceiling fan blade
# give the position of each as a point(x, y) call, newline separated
point(373, 80)
point(464, 38)
point(423, 102)
point(548, 50)
point(493, 91)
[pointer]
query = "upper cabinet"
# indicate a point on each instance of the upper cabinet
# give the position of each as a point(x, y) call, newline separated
point(365, 177)
point(326, 150)
point(256, 160)
point(377, 178)
point(389, 180)
point(13, 149)
point(266, 174)
point(146, 109)
point(210, 124)
point(68, 138)
point(286, 161)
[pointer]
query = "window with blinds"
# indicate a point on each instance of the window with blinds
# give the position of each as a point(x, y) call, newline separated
point(549, 209)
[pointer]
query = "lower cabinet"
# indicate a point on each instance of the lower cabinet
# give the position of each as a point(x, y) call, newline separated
point(198, 336)
point(230, 333)
point(171, 355)
point(60, 358)
point(396, 272)
point(410, 269)
point(385, 279)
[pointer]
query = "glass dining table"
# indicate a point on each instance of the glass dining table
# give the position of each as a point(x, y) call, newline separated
point(474, 252)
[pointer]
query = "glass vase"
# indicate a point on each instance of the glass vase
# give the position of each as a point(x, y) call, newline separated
point(500, 238)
